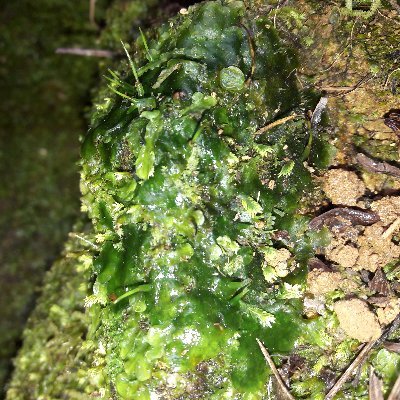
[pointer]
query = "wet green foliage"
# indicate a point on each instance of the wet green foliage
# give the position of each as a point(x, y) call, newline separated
point(185, 194)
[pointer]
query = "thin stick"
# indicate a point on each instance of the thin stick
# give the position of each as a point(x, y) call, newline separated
point(346, 89)
point(77, 51)
point(395, 393)
point(276, 123)
point(362, 355)
point(271, 364)
point(72, 234)
point(392, 228)
point(252, 52)
point(395, 5)
point(92, 12)
point(388, 77)
point(335, 89)
point(351, 33)
point(391, 19)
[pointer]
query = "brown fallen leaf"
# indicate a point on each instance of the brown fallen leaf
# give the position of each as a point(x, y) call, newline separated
point(379, 283)
point(375, 389)
point(392, 346)
point(380, 167)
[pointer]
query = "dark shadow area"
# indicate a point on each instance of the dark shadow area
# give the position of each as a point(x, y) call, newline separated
point(42, 107)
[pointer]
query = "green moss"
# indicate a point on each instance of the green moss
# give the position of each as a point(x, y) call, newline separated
point(53, 345)
point(186, 193)
point(47, 96)
point(43, 100)
point(373, 7)
point(193, 212)
point(387, 365)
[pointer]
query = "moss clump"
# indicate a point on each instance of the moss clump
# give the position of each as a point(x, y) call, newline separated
point(185, 193)
point(53, 363)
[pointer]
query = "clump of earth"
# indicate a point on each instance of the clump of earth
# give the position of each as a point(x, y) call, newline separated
point(354, 262)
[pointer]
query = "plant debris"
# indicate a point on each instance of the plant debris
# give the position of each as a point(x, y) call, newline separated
point(375, 389)
point(276, 373)
point(392, 120)
point(377, 167)
point(338, 218)
point(360, 359)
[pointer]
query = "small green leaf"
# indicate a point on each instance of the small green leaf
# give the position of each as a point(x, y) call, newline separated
point(138, 85)
point(146, 157)
point(228, 245)
point(251, 206)
point(164, 74)
point(286, 169)
point(200, 103)
point(145, 162)
point(232, 78)
point(142, 288)
point(265, 318)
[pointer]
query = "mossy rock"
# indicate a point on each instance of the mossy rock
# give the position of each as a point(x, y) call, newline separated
point(186, 190)
point(200, 175)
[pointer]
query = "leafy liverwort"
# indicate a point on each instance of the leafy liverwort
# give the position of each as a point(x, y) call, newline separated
point(183, 195)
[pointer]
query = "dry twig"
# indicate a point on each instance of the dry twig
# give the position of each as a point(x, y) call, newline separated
point(276, 123)
point(390, 75)
point(343, 90)
point(361, 357)
point(395, 393)
point(92, 12)
point(252, 53)
point(392, 229)
point(278, 377)
point(77, 51)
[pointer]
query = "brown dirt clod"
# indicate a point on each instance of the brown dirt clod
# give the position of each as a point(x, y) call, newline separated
point(388, 209)
point(357, 321)
point(374, 249)
point(343, 187)
point(390, 312)
point(346, 255)
point(320, 282)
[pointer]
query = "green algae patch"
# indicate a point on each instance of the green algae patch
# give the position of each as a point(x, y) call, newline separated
point(185, 195)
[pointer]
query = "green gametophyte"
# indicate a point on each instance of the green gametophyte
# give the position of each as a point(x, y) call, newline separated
point(186, 192)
